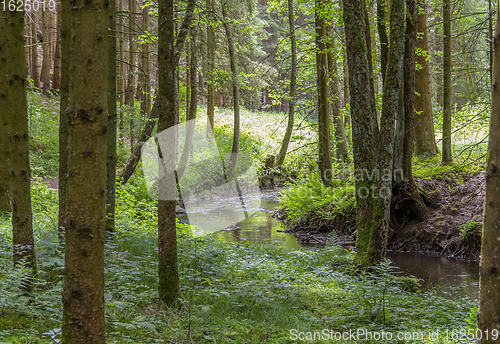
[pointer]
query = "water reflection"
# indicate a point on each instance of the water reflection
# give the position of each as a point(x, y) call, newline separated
point(450, 276)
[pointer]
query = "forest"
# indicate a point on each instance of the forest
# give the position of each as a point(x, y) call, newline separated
point(254, 171)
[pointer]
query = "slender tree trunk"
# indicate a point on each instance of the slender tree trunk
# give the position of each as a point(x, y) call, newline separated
point(146, 98)
point(325, 159)
point(111, 120)
point(491, 36)
point(34, 53)
point(236, 94)
point(5, 179)
point(16, 117)
point(447, 157)
point(168, 60)
point(56, 77)
point(425, 139)
point(46, 51)
point(83, 288)
point(489, 282)
point(293, 86)
point(382, 34)
point(342, 153)
point(63, 116)
point(409, 87)
point(211, 66)
point(121, 79)
point(129, 97)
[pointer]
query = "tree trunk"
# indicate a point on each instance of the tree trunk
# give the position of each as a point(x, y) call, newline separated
point(5, 195)
point(342, 153)
point(425, 139)
point(46, 51)
point(56, 77)
point(447, 157)
point(168, 60)
point(489, 281)
point(324, 155)
point(409, 86)
point(382, 34)
point(63, 115)
point(83, 288)
point(34, 53)
point(16, 117)
point(111, 121)
point(236, 94)
point(146, 99)
point(293, 86)
point(211, 67)
point(121, 77)
point(129, 97)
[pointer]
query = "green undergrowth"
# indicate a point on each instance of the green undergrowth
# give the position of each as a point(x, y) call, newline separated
point(231, 292)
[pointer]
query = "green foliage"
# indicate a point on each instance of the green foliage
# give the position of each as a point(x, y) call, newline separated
point(311, 197)
point(471, 232)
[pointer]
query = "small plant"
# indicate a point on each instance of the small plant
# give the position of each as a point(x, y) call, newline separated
point(471, 232)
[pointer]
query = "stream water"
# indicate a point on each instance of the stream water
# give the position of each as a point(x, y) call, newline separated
point(451, 277)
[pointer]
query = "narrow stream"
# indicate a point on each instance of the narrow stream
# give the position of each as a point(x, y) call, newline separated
point(451, 277)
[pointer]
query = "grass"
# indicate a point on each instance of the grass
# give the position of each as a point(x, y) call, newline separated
point(231, 292)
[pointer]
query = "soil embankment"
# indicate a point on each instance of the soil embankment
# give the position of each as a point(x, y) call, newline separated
point(451, 226)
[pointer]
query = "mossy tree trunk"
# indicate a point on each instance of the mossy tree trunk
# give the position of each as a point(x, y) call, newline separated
point(87, 110)
point(382, 34)
point(293, 86)
point(324, 154)
point(425, 139)
point(236, 92)
point(447, 157)
point(5, 197)
point(63, 114)
point(146, 80)
point(111, 120)
point(132, 46)
point(169, 48)
point(373, 152)
point(16, 116)
point(489, 269)
point(122, 70)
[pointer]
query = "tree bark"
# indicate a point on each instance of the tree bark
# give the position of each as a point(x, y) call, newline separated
point(121, 79)
point(489, 281)
point(46, 63)
point(293, 86)
point(63, 115)
point(324, 154)
point(34, 53)
point(382, 34)
point(16, 117)
point(129, 96)
point(409, 87)
point(168, 60)
point(447, 157)
point(146, 84)
point(56, 76)
point(111, 120)
point(5, 195)
point(83, 287)
point(425, 139)
point(236, 94)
